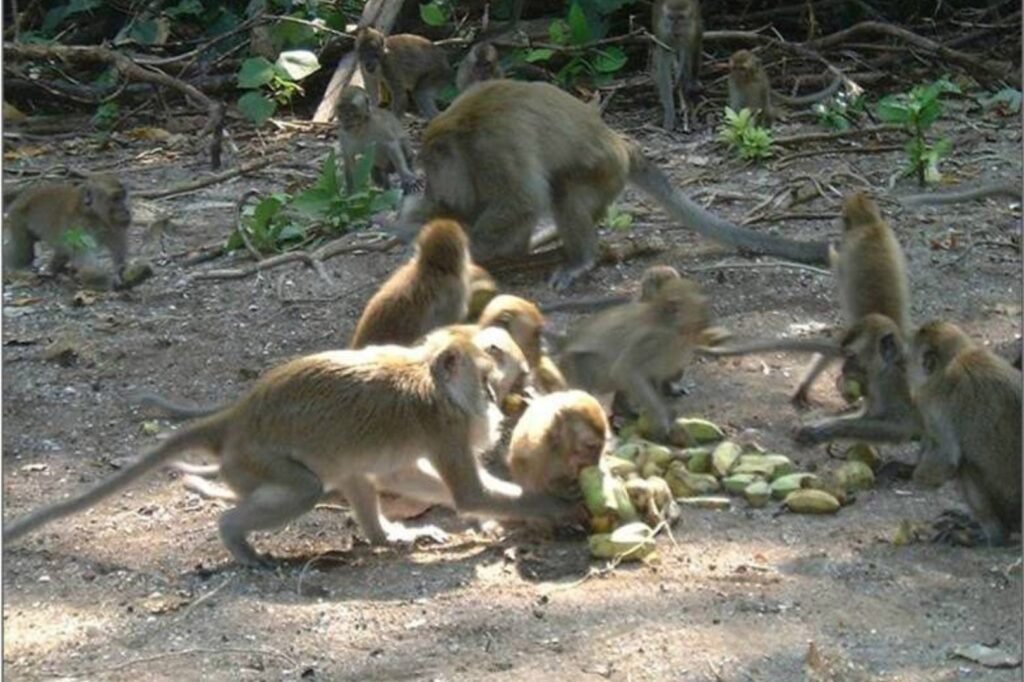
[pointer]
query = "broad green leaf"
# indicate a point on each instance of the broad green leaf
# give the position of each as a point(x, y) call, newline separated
point(433, 15)
point(256, 107)
point(892, 110)
point(313, 202)
point(538, 55)
point(145, 32)
point(579, 30)
point(265, 210)
point(255, 71)
point(77, 239)
point(610, 60)
point(385, 201)
point(297, 64)
point(558, 31)
point(929, 112)
point(291, 232)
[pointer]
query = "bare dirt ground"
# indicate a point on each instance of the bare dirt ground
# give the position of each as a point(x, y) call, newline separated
point(141, 588)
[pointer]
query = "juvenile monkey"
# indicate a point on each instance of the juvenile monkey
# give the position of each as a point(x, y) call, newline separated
point(335, 421)
point(636, 347)
point(970, 401)
point(652, 279)
point(524, 321)
point(558, 435)
point(677, 26)
point(408, 63)
point(362, 126)
point(749, 88)
point(47, 212)
point(480, 64)
point(507, 152)
point(871, 276)
point(875, 347)
point(430, 291)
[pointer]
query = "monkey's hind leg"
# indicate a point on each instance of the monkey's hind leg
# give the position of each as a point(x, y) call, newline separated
point(288, 491)
point(424, 98)
point(577, 208)
point(365, 502)
point(983, 507)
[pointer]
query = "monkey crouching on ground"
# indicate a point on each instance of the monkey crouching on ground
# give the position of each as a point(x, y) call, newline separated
point(51, 212)
point(430, 291)
point(334, 421)
point(678, 27)
point(505, 153)
point(480, 64)
point(407, 63)
point(970, 402)
point(363, 127)
point(749, 88)
point(558, 435)
point(635, 347)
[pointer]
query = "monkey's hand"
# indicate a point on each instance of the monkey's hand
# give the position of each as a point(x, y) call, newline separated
point(954, 527)
point(412, 184)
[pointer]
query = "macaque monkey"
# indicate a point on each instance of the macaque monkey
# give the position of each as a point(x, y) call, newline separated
point(970, 401)
point(507, 152)
point(430, 291)
point(557, 436)
point(871, 275)
point(524, 321)
point(749, 88)
point(335, 421)
point(677, 25)
point(875, 347)
point(408, 63)
point(650, 282)
point(362, 127)
point(48, 212)
point(482, 288)
point(636, 347)
point(480, 64)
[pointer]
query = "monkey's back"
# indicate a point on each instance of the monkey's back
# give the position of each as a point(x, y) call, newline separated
point(419, 58)
point(874, 276)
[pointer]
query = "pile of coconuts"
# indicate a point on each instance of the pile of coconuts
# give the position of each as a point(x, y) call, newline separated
point(638, 488)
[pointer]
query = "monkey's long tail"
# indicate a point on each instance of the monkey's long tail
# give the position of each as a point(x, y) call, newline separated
point(646, 175)
point(206, 434)
point(176, 410)
point(823, 346)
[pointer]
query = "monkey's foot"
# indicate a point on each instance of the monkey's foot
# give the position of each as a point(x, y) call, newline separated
point(800, 402)
point(413, 185)
point(808, 435)
point(954, 527)
point(247, 556)
point(400, 534)
point(894, 470)
point(677, 389)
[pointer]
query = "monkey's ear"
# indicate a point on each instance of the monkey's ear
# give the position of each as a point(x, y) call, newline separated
point(889, 348)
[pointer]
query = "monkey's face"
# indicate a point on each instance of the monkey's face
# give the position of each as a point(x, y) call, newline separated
point(370, 50)
point(680, 17)
point(354, 110)
point(108, 201)
point(587, 445)
point(744, 65)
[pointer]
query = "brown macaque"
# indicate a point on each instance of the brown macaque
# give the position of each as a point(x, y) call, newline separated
point(507, 152)
point(678, 26)
point(430, 291)
point(524, 321)
point(558, 435)
point(334, 422)
point(749, 88)
point(970, 401)
point(51, 212)
point(875, 348)
point(479, 65)
point(635, 347)
point(408, 64)
point(871, 276)
point(650, 282)
point(482, 288)
point(509, 368)
point(363, 127)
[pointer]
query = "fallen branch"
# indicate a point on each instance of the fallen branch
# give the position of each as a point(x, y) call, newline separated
point(880, 149)
point(1009, 189)
point(751, 266)
point(193, 185)
point(794, 140)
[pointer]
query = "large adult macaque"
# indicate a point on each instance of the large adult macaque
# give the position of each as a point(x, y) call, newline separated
point(874, 348)
point(871, 276)
point(506, 152)
point(430, 291)
point(333, 422)
point(749, 88)
point(636, 347)
point(970, 402)
point(362, 127)
point(51, 212)
point(676, 60)
point(480, 64)
point(407, 63)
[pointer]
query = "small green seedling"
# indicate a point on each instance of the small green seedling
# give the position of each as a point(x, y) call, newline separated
point(741, 132)
point(916, 111)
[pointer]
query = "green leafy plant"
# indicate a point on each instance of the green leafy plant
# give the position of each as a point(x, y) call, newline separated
point(916, 111)
point(741, 132)
point(839, 112)
point(282, 222)
point(617, 219)
point(576, 33)
point(272, 84)
point(78, 240)
point(436, 12)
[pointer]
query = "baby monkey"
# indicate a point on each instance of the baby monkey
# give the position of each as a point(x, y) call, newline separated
point(51, 212)
point(362, 127)
point(480, 64)
point(407, 63)
point(749, 88)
